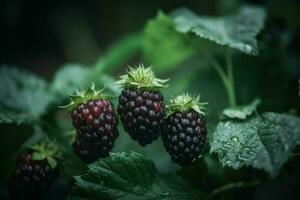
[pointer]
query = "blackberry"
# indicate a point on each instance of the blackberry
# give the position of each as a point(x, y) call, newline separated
point(36, 170)
point(141, 105)
point(185, 129)
point(89, 151)
point(96, 124)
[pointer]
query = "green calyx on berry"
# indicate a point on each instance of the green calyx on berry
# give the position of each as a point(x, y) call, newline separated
point(46, 150)
point(184, 103)
point(142, 78)
point(84, 96)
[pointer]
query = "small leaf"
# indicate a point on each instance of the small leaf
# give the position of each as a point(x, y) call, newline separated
point(241, 112)
point(236, 31)
point(52, 162)
point(38, 156)
point(262, 142)
point(130, 176)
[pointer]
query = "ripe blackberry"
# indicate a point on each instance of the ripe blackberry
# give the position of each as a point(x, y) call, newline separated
point(185, 130)
point(96, 124)
point(89, 151)
point(36, 170)
point(141, 106)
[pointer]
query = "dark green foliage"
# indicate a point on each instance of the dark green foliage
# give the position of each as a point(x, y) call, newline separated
point(130, 176)
point(264, 142)
point(254, 147)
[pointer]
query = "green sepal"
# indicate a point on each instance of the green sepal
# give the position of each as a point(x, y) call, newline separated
point(46, 150)
point(184, 103)
point(142, 78)
point(38, 156)
point(81, 97)
point(71, 136)
point(52, 162)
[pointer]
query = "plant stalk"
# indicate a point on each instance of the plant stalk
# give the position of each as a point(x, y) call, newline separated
point(230, 86)
point(231, 186)
point(227, 78)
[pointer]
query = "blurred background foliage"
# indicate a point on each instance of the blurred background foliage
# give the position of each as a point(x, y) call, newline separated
point(68, 44)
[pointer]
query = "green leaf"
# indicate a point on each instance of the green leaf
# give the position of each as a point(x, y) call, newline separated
point(164, 47)
point(52, 162)
point(263, 142)
point(236, 31)
point(130, 176)
point(38, 156)
point(14, 118)
point(119, 53)
point(110, 84)
point(23, 97)
point(241, 112)
point(70, 78)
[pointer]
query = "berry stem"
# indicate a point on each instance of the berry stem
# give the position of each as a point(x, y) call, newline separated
point(235, 185)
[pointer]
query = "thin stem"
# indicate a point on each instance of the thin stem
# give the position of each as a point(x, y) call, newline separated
point(227, 79)
point(218, 68)
point(230, 89)
point(231, 186)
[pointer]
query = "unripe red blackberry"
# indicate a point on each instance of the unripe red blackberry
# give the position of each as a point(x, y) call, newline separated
point(141, 105)
point(36, 170)
point(95, 122)
point(185, 129)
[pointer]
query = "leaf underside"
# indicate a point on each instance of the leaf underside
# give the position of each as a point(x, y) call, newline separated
point(14, 118)
point(69, 78)
point(237, 31)
point(23, 96)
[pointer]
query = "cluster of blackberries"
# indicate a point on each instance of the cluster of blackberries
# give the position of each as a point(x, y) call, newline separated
point(144, 117)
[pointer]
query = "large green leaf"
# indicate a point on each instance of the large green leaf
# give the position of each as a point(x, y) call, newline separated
point(23, 96)
point(263, 142)
point(236, 31)
point(128, 176)
point(163, 46)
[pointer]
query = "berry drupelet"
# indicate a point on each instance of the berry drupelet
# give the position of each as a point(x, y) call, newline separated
point(185, 129)
point(141, 104)
point(96, 124)
point(36, 170)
